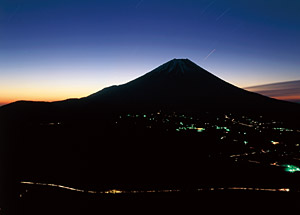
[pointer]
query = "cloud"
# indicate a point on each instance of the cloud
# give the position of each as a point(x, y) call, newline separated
point(289, 91)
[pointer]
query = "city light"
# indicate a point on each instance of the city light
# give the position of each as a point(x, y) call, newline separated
point(115, 191)
point(274, 142)
point(291, 168)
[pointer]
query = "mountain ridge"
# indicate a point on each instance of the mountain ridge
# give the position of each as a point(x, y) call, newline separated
point(178, 81)
point(177, 85)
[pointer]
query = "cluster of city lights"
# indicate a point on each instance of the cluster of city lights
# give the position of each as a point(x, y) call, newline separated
point(291, 168)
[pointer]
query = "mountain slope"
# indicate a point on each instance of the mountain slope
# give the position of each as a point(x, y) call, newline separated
point(178, 84)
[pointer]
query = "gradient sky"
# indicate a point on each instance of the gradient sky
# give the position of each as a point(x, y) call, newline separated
point(289, 91)
point(57, 49)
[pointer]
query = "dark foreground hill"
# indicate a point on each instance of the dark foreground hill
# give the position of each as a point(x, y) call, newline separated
point(177, 126)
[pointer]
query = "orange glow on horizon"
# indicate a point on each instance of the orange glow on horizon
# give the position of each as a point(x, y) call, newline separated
point(8, 101)
point(288, 98)
point(46, 95)
point(288, 91)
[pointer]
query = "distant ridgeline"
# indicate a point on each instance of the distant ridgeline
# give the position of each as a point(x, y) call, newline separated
point(178, 85)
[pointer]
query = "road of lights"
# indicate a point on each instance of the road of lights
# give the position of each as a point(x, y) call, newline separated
point(118, 191)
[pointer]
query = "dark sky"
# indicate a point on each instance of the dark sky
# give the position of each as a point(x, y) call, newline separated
point(56, 49)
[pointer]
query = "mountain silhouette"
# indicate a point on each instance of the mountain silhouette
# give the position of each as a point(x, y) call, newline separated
point(181, 84)
point(88, 142)
point(178, 84)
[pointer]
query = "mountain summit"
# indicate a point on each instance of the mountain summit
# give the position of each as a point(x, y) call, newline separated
point(178, 79)
point(180, 83)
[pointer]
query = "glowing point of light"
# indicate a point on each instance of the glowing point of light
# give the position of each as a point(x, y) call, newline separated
point(200, 129)
point(291, 168)
point(113, 191)
point(274, 142)
point(222, 128)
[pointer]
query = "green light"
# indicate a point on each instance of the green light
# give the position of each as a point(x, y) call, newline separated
point(274, 142)
point(200, 129)
point(224, 128)
point(291, 168)
point(191, 127)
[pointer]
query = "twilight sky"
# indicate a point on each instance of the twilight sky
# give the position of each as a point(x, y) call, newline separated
point(57, 49)
point(289, 91)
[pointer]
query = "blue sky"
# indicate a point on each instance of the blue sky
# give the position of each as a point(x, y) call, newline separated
point(57, 49)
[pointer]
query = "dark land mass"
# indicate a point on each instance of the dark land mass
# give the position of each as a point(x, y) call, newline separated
point(176, 127)
point(50, 202)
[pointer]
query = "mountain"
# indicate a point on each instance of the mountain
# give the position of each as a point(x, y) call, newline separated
point(178, 85)
point(91, 142)
point(289, 91)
